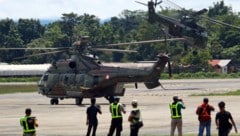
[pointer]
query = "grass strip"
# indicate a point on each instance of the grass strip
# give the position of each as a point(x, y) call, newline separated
point(6, 89)
point(230, 93)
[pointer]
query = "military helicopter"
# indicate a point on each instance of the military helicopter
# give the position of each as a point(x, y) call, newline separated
point(187, 26)
point(84, 76)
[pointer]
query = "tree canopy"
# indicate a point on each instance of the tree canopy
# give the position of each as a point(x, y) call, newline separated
point(223, 42)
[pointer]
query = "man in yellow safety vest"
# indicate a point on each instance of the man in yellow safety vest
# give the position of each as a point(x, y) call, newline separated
point(116, 110)
point(28, 123)
point(175, 107)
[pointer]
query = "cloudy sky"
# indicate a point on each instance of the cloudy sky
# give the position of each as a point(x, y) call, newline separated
point(53, 9)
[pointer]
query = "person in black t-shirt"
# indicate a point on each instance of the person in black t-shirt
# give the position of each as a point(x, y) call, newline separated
point(92, 120)
point(222, 121)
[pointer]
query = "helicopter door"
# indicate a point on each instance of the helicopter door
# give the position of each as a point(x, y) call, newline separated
point(119, 89)
point(80, 79)
point(68, 79)
point(95, 80)
point(51, 79)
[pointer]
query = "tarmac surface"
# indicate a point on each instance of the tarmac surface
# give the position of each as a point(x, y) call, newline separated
point(68, 119)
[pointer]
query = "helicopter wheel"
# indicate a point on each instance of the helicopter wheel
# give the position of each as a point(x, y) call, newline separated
point(79, 100)
point(54, 101)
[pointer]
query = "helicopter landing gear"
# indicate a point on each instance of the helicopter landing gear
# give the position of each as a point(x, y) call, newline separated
point(54, 101)
point(79, 100)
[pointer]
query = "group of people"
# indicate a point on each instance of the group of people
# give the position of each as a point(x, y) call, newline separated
point(29, 123)
point(116, 110)
point(224, 120)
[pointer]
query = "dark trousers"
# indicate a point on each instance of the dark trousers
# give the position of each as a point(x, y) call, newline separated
point(223, 132)
point(29, 134)
point(115, 124)
point(134, 130)
point(90, 126)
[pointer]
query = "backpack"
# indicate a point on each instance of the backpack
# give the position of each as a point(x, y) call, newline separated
point(203, 113)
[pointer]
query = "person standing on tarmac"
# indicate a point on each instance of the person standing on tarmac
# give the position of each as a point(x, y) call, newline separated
point(92, 120)
point(175, 107)
point(204, 116)
point(116, 110)
point(28, 123)
point(135, 119)
point(222, 121)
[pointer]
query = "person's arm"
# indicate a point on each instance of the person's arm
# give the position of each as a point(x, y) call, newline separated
point(99, 109)
point(21, 122)
point(234, 125)
point(217, 121)
point(130, 117)
point(182, 105)
point(87, 119)
point(123, 109)
point(197, 110)
point(212, 108)
point(35, 122)
point(110, 109)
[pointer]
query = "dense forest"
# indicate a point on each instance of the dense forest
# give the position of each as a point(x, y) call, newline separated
point(223, 42)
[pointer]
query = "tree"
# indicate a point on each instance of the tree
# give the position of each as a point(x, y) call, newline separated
point(219, 9)
point(29, 29)
point(9, 38)
point(199, 60)
point(232, 53)
point(68, 22)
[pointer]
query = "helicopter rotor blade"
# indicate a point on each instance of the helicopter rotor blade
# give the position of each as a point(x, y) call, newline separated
point(141, 3)
point(40, 54)
point(56, 48)
point(114, 50)
point(144, 42)
point(174, 4)
point(221, 23)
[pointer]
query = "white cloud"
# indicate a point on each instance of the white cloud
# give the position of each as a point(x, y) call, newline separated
point(45, 9)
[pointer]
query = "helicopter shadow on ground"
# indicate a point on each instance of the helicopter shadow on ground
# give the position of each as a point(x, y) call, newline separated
point(184, 89)
point(64, 104)
point(82, 105)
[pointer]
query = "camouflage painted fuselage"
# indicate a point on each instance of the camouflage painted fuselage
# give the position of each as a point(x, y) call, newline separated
point(83, 76)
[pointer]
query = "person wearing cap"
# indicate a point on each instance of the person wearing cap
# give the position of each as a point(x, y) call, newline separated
point(135, 119)
point(176, 116)
point(116, 110)
point(28, 123)
point(204, 116)
point(92, 120)
point(222, 120)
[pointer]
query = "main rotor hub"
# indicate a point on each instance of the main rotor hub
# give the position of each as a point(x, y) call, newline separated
point(82, 44)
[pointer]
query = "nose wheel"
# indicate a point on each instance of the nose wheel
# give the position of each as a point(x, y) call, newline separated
point(54, 101)
point(79, 100)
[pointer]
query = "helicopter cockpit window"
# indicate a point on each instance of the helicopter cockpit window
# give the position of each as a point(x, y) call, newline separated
point(45, 77)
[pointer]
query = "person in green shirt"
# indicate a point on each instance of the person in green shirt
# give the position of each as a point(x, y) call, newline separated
point(28, 123)
point(175, 107)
